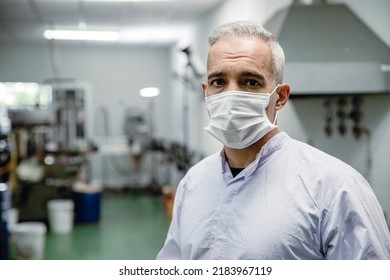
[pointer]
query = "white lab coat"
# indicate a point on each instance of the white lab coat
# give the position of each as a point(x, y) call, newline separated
point(292, 202)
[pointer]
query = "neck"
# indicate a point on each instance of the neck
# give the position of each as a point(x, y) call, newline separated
point(241, 158)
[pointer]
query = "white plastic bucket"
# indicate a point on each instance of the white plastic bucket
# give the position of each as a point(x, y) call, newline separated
point(29, 240)
point(60, 212)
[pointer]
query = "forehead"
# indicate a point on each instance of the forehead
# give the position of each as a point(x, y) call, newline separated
point(251, 52)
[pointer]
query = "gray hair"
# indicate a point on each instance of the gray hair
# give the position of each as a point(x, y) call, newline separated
point(252, 29)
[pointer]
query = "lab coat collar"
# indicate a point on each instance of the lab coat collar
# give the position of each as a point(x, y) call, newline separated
point(273, 144)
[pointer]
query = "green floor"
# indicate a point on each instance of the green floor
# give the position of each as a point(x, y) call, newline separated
point(132, 227)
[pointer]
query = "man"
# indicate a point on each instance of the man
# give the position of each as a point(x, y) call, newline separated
point(265, 195)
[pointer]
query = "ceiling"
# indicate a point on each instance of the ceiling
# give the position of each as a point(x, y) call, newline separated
point(23, 21)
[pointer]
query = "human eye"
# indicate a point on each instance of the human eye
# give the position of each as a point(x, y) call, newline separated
point(217, 82)
point(251, 83)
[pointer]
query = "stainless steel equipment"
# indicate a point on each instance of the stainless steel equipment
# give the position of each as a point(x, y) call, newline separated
point(330, 50)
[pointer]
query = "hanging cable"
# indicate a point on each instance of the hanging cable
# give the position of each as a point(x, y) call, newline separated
point(53, 60)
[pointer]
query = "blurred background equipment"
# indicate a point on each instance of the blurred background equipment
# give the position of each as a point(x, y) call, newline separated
point(6, 165)
point(50, 131)
point(7, 147)
point(329, 49)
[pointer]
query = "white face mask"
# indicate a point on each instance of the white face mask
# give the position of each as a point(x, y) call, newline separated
point(238, 118)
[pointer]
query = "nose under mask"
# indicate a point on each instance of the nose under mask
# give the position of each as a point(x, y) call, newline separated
point(238, 119)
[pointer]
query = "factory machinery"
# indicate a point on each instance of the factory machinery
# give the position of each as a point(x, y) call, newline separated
point(50, 149)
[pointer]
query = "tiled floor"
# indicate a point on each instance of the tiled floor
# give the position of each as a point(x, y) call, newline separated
point(132, 227)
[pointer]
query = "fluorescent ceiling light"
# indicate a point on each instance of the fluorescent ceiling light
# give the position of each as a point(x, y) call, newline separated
point(139, 35)
point(87, 35)
point(149, 92)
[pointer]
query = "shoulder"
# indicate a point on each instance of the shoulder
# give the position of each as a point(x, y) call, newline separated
point(211, 161)
point(349, 212)
point(323, 174)
point(312, 157)
point(199, 176)
point(212, 164)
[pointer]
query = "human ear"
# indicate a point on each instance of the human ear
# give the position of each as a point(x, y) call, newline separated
point(204, 86)
point(283, 92)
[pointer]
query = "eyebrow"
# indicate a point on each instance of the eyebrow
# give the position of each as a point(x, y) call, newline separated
point(244, 74)
point(253, 75)
point(215, 74)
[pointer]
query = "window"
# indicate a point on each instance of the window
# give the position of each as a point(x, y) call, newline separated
point(22, 95)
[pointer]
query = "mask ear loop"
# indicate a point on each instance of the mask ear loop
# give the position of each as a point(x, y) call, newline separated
point(274, 90)
point(276, 117)
point(277, 111)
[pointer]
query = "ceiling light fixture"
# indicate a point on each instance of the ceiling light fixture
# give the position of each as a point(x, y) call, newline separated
point(87, 35)
point(149, 92)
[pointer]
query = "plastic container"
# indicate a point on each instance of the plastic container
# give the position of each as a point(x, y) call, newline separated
point(60, 213)
point(4, 206)
point(87, 199)
point(29, 240)
point(87, 206)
